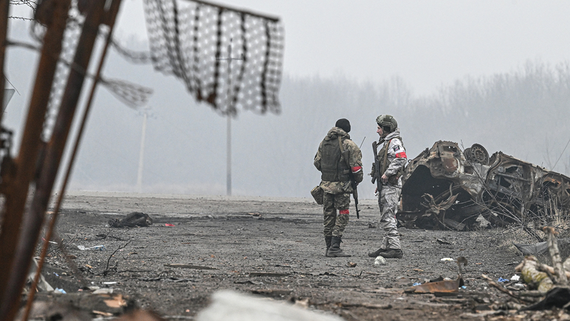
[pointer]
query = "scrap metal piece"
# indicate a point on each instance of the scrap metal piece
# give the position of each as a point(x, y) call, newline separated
point(477, 154)
point(445, 287)
point(134, 219)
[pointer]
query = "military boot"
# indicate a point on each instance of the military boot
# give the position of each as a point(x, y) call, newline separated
point(328, 240)
point(334, 250)
point(392, 253)
point(377, 253)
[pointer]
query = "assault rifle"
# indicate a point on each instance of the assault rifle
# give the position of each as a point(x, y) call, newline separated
point(377, 175)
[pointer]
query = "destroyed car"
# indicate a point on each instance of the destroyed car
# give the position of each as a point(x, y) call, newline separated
point(447, 187)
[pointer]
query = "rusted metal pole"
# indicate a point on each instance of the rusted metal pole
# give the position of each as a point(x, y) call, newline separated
point(33, 219)
point(4, 12)
point(112, 15)
point(17, 183)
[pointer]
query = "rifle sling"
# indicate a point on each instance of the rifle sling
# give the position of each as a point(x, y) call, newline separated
point(385, 157)
point(355, 191)
point(342, 152)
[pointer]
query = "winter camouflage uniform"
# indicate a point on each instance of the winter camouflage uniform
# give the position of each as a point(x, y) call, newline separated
point(335, 179)
point(389, 198)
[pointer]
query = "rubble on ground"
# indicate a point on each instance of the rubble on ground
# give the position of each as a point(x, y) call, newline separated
point(134, 219)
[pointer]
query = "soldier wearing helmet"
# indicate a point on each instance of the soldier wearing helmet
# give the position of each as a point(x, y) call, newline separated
point(392, 160)
point(337, 158)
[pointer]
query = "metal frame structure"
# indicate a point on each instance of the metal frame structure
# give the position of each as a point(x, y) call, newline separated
point(28, 179)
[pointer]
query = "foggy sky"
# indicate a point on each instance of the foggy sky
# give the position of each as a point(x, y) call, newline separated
point(427, 43)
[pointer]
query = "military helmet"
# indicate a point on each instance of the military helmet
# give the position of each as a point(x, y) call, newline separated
point(387, 121)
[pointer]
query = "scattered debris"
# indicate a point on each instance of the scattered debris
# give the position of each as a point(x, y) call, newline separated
point(96, 247)
point(44, 310)
point(116, 301)
point(42, 285)
point(439, 288)
point(189, 266)
point(503, 289)
point(133, 219)
point(78, 306)
point(104, 291)
point(380, 260)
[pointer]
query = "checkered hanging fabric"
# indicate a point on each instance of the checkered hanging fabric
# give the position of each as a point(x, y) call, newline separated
point(193, 40)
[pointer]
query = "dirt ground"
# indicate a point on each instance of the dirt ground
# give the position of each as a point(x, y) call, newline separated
point(273, 248)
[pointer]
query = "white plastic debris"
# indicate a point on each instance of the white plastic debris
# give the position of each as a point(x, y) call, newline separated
point(515, 278)
point(96, 247)
point(380, 260)
point(230, 305)
point(42, 283)
point(447, 259)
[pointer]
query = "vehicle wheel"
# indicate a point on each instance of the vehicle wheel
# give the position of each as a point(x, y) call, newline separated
point(478, 154)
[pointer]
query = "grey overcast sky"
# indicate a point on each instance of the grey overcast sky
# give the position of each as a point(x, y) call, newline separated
point(426, 43)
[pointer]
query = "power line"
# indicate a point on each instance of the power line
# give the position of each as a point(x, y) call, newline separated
point(561, 154)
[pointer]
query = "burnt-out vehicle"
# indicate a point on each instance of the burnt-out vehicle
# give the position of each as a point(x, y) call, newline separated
point(447, 187)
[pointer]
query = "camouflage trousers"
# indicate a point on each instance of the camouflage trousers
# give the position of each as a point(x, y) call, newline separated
point(334, 223)
point(388, 203)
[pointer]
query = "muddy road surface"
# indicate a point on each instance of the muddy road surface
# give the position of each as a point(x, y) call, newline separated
point(272, 248)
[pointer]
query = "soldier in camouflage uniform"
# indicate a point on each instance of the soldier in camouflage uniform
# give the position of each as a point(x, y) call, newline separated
point(392, 160)
point(335, 182)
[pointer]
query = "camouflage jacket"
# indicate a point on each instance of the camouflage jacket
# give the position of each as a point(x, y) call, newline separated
point(355, 162)
point(396, 157)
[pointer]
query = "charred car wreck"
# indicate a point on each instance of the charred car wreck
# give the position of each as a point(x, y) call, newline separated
point(447, 187)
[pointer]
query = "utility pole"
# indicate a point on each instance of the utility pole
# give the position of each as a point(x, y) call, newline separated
point(141, 152)
point(229, 58)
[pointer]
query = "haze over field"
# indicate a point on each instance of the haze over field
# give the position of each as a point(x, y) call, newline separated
point(489, 72)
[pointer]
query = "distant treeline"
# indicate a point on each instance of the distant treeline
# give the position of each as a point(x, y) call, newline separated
point(522, 113)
